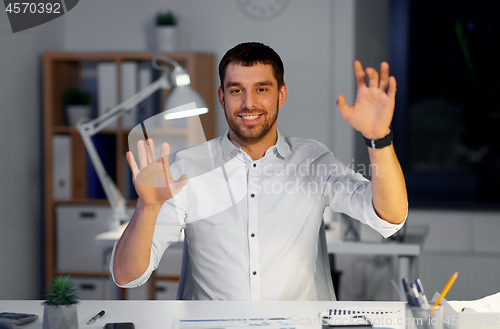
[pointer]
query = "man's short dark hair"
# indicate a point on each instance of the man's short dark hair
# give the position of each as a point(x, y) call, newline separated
point(249, 54)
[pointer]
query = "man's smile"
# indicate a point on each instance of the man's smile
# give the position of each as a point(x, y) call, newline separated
point(250, 119)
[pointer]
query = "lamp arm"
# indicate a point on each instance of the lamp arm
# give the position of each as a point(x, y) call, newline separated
point(154, 62)
point(90, 128)
point(94, 126)
point(116, 199)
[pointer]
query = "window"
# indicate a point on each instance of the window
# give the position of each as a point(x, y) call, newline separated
point(445, 55)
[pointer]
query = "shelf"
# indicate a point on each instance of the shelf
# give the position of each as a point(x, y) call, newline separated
point(72, 130)
point(84, 274)
point(64, 70)
point(162, 131)
point(90, 202)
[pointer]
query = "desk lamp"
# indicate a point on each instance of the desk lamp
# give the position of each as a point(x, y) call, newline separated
point(181, 94)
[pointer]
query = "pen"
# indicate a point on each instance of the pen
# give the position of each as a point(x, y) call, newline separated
point(96, 317)
point(444, 292)
point(417, 295)
point(420, 288)
point(410, 299)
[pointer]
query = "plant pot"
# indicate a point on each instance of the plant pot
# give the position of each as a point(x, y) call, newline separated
point(166, 38)
point(60, 317)
point(76, 112)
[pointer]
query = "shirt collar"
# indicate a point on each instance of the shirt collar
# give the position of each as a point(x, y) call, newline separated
point(282, 146)
point(230, 150)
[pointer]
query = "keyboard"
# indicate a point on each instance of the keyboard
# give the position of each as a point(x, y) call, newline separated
point(18, 318)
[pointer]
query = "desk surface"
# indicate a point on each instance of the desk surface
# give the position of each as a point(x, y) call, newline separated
point(411, 246)
point(160, 314)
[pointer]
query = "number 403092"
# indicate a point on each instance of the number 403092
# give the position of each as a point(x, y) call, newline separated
point(33, 8)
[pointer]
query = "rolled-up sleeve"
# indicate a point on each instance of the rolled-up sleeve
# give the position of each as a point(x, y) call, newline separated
point(169, 224)
point(349, 192)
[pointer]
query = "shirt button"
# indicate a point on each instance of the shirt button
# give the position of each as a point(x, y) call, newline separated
point(252, 235)
point(254, 273)
point(252, 195)
point(254, 165)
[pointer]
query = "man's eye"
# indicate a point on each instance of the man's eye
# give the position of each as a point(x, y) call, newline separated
point(262, 89)
point(235, 91)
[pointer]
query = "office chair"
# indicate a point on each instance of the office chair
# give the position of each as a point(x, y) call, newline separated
point(322, 277)
point(186, 285)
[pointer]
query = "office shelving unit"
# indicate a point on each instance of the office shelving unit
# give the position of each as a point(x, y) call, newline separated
point(63, 70)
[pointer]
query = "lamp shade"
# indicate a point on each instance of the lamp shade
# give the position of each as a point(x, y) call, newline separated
point(184, 102)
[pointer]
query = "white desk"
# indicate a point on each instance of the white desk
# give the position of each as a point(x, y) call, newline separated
point(160, 314)
point(406, 252)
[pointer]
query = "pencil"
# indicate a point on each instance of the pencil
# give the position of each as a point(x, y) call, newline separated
point(444, 292)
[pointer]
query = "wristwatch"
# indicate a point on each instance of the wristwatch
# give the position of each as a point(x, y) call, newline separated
point(379, 143)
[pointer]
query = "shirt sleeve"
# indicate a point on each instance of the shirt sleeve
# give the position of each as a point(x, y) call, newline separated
point(167, 232)
point(349, 192)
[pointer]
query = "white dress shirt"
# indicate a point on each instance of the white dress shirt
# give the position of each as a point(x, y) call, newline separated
point(252, 226)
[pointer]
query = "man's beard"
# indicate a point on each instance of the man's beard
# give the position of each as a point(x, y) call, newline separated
point(257, 132)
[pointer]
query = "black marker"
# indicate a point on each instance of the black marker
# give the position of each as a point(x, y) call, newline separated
point(96, 317)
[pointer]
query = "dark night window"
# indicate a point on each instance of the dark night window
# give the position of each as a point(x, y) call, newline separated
point(446, 57)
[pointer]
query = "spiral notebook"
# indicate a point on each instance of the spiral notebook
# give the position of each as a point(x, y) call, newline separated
point(392, 315)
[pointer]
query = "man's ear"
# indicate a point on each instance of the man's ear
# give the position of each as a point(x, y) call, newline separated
point(282, 96)
point(220, 96)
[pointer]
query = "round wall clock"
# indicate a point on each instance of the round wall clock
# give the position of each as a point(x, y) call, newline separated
point(262, 10)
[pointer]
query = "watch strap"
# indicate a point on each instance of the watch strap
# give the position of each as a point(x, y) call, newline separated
point(379, 143)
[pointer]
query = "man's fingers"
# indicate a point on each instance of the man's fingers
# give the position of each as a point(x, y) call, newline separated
point(132, 164)
point(165, 150)
point(342, 106)
point(384, 76)
point(372, 77)
point(392, 88)
point(150, 150)
point(141, 154)
point(360, 74)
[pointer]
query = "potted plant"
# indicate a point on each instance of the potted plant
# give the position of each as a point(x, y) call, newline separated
point(60, 310)
point(77, 105)
point(166, 32)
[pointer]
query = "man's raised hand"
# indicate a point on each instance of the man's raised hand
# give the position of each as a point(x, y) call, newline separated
point(152, 179)
point(371, 113)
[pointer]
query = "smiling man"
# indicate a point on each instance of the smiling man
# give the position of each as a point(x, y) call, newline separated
point(251, 97)
point(262, 245)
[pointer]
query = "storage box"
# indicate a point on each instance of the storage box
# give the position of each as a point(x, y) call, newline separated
point(76, 228)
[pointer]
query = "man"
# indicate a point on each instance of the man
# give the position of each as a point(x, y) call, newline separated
point(262, 243)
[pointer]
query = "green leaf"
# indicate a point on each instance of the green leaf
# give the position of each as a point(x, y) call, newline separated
point(61, 291)
point(165, 19)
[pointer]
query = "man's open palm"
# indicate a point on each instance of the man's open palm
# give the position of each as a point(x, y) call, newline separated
point(152, 179)
point(372, 111)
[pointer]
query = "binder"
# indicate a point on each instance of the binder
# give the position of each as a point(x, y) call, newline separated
point(89, 84)
point(107, 87)
point(128, 185)
point(128, 85)
point(61, 169)
point(103, 144)
point(146, 108)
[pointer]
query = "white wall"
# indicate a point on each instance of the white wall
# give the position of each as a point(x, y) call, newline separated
point(464, 241)
point(301, 35)
point(21, 211)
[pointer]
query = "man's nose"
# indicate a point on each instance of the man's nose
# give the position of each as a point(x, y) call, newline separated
point(249, 100)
